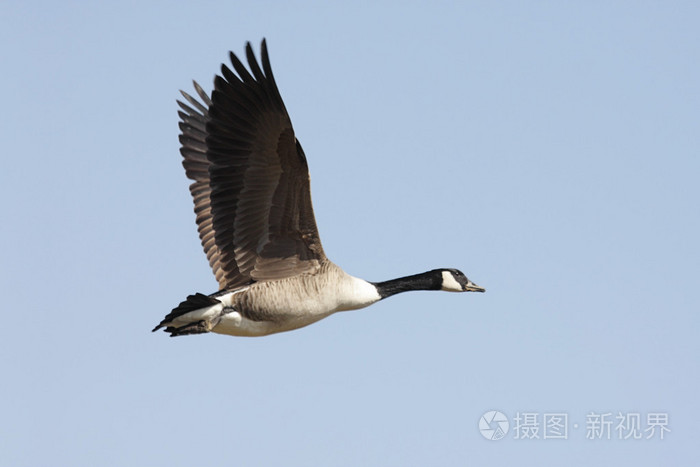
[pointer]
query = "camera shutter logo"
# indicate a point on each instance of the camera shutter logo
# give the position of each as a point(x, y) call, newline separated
point(494, 425)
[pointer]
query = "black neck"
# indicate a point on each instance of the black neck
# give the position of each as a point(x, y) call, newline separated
point(431, 280)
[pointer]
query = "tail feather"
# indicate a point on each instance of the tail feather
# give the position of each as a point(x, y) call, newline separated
point(199, 327)
point(192, 303)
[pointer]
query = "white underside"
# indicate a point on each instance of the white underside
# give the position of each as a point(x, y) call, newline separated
point(233, 324)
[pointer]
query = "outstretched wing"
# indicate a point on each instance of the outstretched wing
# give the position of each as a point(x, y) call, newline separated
point(251, 181)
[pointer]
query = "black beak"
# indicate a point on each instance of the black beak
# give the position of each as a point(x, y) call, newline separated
point(472, 287)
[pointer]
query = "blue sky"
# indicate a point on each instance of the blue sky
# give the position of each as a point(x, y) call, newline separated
point(547, 149)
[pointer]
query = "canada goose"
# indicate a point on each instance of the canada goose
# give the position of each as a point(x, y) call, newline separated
point(255, 220)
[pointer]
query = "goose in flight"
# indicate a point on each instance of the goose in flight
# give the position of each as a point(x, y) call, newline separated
point(252, 202)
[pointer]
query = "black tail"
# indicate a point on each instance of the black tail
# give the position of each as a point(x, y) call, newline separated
point(192, 303)
point(200, 327)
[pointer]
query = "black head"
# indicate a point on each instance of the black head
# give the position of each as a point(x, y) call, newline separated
point(454, 280)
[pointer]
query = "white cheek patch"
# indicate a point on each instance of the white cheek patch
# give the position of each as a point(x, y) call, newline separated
point(449, 283)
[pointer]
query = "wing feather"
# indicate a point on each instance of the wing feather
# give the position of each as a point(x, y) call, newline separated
point(251, 188)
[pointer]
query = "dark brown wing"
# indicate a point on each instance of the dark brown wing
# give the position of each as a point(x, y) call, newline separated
point(193, 122)
point(251, 180)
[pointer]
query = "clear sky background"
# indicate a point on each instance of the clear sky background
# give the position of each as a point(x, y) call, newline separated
point(550, 150)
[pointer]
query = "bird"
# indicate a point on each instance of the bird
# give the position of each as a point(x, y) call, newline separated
point(252, 201)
